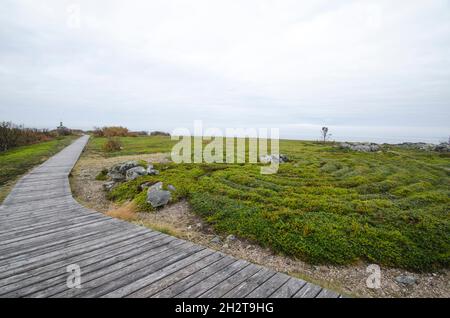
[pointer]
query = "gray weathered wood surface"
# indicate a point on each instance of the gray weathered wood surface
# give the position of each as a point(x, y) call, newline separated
point(43, 230)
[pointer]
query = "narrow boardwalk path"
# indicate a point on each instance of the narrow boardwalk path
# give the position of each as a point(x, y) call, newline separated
point(43, 230)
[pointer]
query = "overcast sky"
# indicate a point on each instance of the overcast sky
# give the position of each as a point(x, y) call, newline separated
point(369, 70)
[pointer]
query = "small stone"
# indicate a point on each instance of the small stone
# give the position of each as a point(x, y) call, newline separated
point(151, 171)
point(231, 238)
point(216, 240)
point(135, 173)
point(171, 188)
point(406, 280)
point(248, 247)
point(189, 227)
point(225, 246)
point(108, 186)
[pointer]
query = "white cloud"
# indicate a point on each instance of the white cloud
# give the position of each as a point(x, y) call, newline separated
point(161, 64)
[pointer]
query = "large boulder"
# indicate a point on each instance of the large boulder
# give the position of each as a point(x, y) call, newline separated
point(135, 173)
point(417, 145)
point(118, 172)
point(156, 196)
point(124, 167)
point(274, 158)
point(116, 176)
point(360, 147)
point(443, 147)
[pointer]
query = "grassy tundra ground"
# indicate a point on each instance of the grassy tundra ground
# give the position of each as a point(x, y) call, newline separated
point(18, 161)
point(327, 206)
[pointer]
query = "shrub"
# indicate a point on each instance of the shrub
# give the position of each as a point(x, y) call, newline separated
point(12, 135)
point(111, 132)
point(159, 133)
point(112, 144)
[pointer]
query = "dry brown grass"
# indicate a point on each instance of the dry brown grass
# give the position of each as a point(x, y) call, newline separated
point(126, 212)
point(163, 227)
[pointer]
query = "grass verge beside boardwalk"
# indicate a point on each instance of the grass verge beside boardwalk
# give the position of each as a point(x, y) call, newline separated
point(16, 162)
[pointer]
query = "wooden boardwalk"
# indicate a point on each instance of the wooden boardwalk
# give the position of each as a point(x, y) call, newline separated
point(43, 230)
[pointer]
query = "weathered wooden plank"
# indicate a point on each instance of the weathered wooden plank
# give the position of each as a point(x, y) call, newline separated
point(43, 226)
point(168, 280)
point(308, 291)
point(177, 267)
point(33, 243)
point(130, 240)
point(270, 286)
point(289, 289)
point(45, 259)
point(326, 293)
point(230, 283)
point(136, 270)
point(53, 227)
point(213, 280)
point(195, 278)
point(250, 284)
point(90, 268)
point(64, 246)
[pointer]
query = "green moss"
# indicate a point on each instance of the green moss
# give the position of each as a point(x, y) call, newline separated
point(325, 206)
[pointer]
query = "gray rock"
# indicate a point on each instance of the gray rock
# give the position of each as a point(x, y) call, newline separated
point(274, 158)
point(416, 145)
point(156, 186)
point(108, 186)
point(171, 188)
point(135, 172)
point(360, 147)
point(443, 147)
point(158, 197)
point(231, 238)
point(216, 240)
point(225, 246)
point(124, 167)
point(116, 176)
point(406, 280)
point(151, 171)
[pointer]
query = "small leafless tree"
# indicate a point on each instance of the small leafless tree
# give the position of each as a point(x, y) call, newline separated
point(325, 134)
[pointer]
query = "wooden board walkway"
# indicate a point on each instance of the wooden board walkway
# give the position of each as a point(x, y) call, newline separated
point(43, 230)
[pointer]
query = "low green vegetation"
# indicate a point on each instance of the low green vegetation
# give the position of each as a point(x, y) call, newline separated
point(17, 161)
point(131, 145)
point(326, 206)
point(102, 176)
